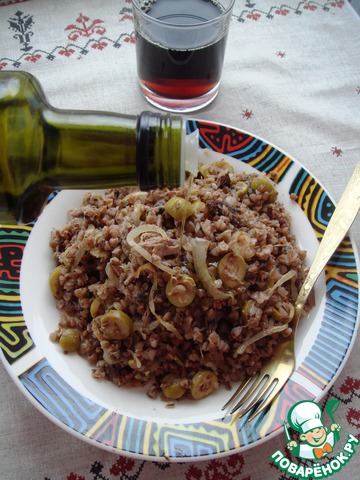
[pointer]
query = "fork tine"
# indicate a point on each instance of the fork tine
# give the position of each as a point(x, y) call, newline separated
point(238, 392)
point(251, 405)
point(258, 397)
point(269, 399)
point(248, 394)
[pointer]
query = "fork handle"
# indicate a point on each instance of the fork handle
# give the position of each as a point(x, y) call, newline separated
point(339, 224)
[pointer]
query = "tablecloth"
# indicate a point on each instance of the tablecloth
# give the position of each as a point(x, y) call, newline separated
point(291, 76)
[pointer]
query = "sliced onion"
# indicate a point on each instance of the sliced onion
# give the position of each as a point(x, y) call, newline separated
point(73, 260)
point(137, 213)
point(159, 320)
point(144, 267)
point(199, 251)
point(79, 254)
point(137, 361)
point(258, 336)
point(133, 194)
point(145, 228)
point(133, 234)
point(290, 274)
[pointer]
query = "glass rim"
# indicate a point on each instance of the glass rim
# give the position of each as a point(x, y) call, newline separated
point(136, 5)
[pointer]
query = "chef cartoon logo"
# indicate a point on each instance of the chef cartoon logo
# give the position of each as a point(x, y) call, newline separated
point(312, 440)
point(315, 440)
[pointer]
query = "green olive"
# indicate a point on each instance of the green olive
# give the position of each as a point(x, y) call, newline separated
point(178, 208)
point(181, 290)
point(223, 164)
point(263, 184)
point(116, 325)
point(232, 270)
point(70, 340)
point(54, 281)
point(203, 383)
point(197, 206)
point(96, 307)
point(242, 188)
point(172, 387)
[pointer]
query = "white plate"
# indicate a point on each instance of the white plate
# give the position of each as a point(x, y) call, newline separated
point(126, 420)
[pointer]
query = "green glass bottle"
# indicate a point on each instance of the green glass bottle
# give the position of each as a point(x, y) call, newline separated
point(43, 149)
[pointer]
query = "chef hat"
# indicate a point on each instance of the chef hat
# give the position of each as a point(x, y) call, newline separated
point(304, 416)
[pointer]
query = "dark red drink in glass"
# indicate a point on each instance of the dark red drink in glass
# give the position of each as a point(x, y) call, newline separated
point(180, 48)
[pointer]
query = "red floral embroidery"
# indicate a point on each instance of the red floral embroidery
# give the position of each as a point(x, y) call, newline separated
point(123, 464)
point(86, 28)
point(126, 17)
point(350, 385)
point(33, 58)
point(99, 45)
point(73, 476)
point(338, 4)
point(312, 8)
point(193, 473)
point(353, 417)
point(129, 39)
point(254, 16)
point(3, 65)
point(67, 52)
point(283, 12)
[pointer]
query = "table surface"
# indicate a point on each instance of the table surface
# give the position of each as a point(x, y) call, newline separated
point(291, 76)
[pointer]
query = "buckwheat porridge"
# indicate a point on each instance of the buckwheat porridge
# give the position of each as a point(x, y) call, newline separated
point(180, 290)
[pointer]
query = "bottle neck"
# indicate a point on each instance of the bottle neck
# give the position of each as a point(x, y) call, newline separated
point(100, 149)
point(89, 149)
point(160, 150)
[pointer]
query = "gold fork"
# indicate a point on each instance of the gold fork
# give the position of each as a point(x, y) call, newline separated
point(260, 390)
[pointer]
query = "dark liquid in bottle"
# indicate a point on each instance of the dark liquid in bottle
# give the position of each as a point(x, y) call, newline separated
point(182, 72)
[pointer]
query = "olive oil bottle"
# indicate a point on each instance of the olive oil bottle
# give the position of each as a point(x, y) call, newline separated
point(43, 149)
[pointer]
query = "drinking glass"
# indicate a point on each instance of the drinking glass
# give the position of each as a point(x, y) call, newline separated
point(180, 49)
